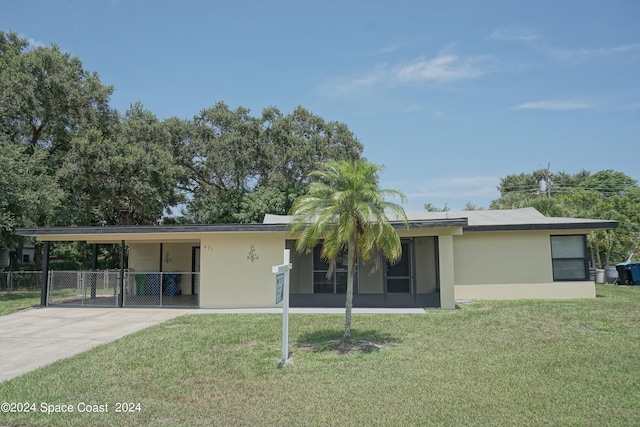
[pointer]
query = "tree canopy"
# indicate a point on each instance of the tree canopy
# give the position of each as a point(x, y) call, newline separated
point(606, 194)
point(71, 159)
point(238, 167)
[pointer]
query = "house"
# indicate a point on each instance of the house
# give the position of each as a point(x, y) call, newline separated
point(446, 256)
point(25, 256)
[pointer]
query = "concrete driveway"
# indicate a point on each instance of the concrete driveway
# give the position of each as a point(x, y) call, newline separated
point(36, 337)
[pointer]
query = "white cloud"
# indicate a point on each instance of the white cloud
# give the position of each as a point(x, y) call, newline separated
point(554, 105)
point(566, 56)
point(441, 69)
point(580, 55)
point(34, 43)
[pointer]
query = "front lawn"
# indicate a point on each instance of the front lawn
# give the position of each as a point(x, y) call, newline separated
point(18, 300)
point(572, 362)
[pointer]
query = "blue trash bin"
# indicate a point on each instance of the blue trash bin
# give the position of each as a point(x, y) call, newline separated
point(634, 273)
point(153, 284)
point(171, 285)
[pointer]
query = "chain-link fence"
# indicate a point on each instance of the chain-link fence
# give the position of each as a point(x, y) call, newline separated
point(172, 289)
point(26, 283)
point(102, 288)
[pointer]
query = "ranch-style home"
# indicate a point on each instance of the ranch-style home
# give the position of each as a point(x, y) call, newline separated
point(446, 256)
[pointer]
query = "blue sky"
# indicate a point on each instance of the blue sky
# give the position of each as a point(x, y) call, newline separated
point(448, 95)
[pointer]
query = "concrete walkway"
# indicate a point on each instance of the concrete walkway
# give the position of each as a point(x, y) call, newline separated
point(39, 336)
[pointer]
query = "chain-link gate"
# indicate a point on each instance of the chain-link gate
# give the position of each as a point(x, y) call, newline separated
point(93, 288)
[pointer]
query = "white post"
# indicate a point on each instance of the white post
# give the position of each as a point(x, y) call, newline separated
point(285, 312)
point(284, 268)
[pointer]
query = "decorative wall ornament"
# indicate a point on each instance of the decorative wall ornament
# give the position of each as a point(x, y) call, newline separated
point(167, 258)
point(253, 255)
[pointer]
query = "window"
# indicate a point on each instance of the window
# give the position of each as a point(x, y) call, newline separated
point(336, 283)
point(25, 258)
point(569, 257)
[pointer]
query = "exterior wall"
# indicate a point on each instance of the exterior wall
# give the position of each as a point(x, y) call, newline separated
point(27, 250)
point(447, 272)
point(426, 265)
point(178, 257)
point(144, 257)
point(503, 258)
point(555, 290)
point(229, 277)
point(510, 265)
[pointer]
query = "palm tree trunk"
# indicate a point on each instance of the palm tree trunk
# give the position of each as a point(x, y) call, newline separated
point(351, 255)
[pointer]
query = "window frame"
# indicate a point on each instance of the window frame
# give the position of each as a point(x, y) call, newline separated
point(341, 268)
point(409, 255)
point(584, 259)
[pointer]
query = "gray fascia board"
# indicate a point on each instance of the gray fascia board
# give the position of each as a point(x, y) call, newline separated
point(208, 228)
point(150, 229)
point(540, 227)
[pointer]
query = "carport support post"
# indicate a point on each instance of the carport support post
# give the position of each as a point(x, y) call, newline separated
point(121, 296)
point(45, 274)
point(447, 283)
point(94, 268)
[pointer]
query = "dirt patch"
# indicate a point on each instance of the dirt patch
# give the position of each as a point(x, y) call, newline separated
point(342, 348)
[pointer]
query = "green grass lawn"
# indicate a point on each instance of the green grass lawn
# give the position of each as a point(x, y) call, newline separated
point(574, 362)
point(18, 300)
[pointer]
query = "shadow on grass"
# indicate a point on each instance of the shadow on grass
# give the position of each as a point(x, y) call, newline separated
point(330, 341)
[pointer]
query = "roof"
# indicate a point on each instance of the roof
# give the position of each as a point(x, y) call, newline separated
point(491, 220)
point(469, 221)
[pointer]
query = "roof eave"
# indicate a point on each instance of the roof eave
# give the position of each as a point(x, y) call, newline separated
point(540, 227)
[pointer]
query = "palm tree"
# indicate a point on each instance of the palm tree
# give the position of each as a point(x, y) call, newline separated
point(346, 210)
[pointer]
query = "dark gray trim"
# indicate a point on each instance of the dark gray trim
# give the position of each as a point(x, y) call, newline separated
point(221, 228)
point(149, 229)
point(121, 296)
point(596, 225)
point(207, 228)
point(193, 269)
point(94, 267)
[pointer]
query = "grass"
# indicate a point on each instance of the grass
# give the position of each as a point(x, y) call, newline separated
point(18, 300)
point(572, 362)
